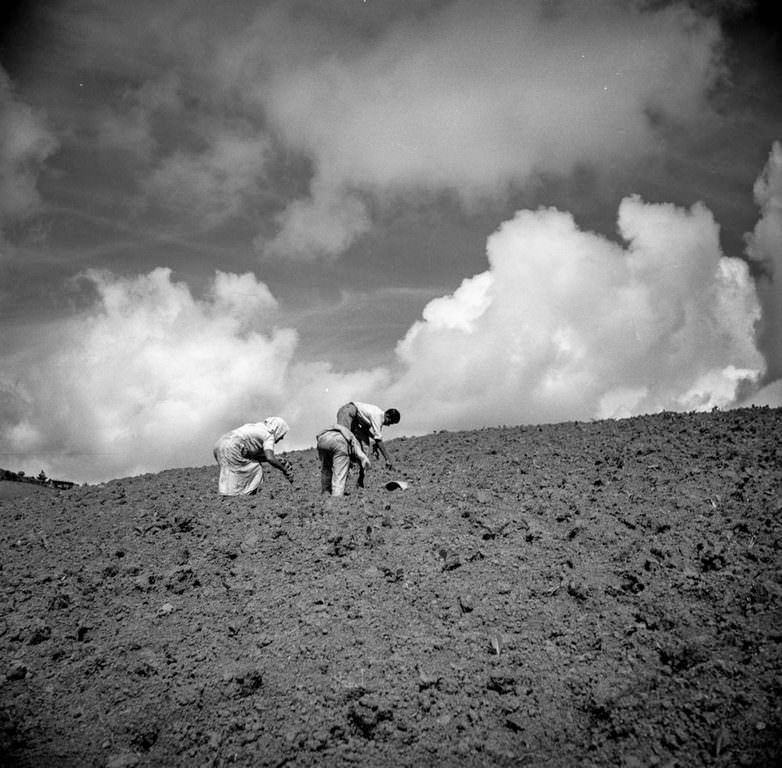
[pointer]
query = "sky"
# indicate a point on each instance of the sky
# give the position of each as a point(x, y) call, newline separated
point(481, 214)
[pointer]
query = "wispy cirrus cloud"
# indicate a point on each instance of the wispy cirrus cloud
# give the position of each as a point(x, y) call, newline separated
point(468, 99)
point(26, 141)
point(475, 98)
point(214, 185)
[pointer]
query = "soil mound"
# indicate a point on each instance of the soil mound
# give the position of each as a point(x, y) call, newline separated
point(594, 594)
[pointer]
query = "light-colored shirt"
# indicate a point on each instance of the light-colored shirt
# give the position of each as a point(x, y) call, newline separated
point(373, 417)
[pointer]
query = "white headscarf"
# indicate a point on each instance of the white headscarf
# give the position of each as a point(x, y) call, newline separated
point(277, 426)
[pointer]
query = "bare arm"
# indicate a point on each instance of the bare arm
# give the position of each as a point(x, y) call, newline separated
point(359, 455)
point(382, 448)
point(284, 467)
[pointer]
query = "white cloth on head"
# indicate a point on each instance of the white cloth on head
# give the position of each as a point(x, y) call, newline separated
point(239, 452)
point(277, 426)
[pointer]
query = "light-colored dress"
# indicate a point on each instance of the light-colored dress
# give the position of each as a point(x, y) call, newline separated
point(239, 452)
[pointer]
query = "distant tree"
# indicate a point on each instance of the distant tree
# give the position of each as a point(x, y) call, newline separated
point(41, 477)
point(20, 473)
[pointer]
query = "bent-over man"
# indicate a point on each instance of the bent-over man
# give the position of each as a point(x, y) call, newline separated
point(241, 452)
point(366, 422)
point(337, 448)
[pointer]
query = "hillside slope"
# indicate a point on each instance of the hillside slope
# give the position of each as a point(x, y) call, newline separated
point(593, 594)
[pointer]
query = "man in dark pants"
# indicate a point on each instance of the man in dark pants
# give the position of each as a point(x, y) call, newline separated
point(366, 422)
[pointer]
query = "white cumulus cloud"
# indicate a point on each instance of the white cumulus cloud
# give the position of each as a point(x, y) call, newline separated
point(150, 376)
point(149, 373)
point(566, 324)
point(764, 247)
point(563, 324)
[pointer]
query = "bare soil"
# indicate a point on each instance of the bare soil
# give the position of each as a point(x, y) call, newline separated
point(593, 594)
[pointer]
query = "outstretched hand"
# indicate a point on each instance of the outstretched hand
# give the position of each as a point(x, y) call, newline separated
point(287, 470)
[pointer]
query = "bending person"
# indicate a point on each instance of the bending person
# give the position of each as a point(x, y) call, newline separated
point(366, 422)
point(337, 447)
point(241, 452)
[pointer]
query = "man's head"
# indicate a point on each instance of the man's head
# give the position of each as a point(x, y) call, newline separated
point(391, 416)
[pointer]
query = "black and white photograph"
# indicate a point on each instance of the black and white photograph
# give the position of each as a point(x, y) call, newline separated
point(390, 383)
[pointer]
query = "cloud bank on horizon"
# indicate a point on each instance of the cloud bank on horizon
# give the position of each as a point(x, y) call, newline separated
point(563, 324)
point(764, 248)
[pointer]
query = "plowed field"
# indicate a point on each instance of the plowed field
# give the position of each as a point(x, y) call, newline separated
point(596, 594)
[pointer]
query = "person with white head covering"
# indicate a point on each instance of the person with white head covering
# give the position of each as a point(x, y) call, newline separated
point(241, 452)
